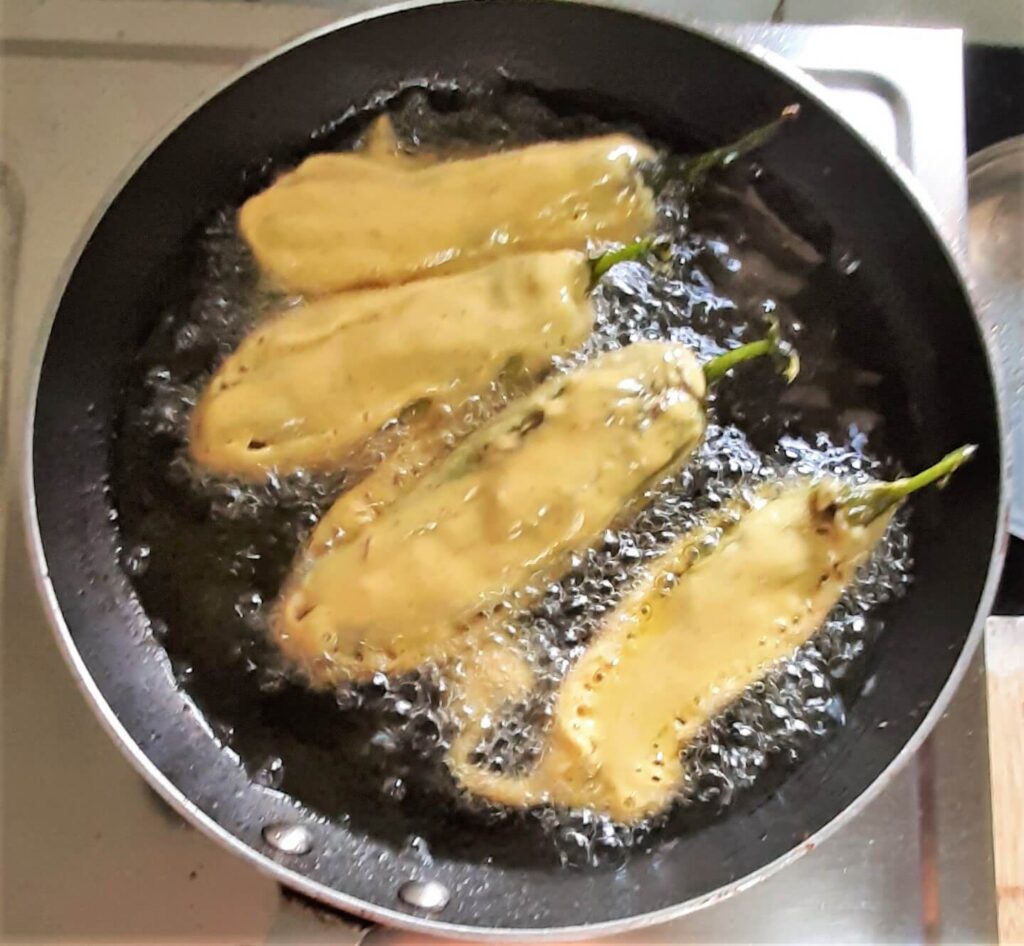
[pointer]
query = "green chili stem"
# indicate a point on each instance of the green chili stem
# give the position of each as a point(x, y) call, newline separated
point(865, 503)
point(600, 265)
point(696, 169)
point(723, 364)
point(771, 344)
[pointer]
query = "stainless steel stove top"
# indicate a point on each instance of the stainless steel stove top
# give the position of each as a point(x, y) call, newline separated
point(88, 852)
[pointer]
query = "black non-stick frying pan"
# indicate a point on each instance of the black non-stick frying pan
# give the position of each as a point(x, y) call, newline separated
point(673, 82)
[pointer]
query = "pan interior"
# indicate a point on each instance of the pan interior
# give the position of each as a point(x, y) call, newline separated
point(208, 555)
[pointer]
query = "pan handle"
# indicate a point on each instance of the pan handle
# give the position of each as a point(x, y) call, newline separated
point(303, 922)
point(300, 921)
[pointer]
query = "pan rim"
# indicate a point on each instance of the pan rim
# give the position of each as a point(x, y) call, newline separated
point(337, 899)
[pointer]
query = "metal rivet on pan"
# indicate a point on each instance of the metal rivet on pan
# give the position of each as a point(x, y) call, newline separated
point(424, 895)
point(288, 838)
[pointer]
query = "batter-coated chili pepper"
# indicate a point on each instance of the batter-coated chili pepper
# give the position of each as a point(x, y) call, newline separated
point(343, 221)
point(694, 634)
point(306, 388)
point(501, 512)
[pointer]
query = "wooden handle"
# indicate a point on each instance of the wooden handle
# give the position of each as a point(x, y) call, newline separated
point(1004, 664)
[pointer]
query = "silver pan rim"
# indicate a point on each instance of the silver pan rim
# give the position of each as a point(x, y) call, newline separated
point(416, 923)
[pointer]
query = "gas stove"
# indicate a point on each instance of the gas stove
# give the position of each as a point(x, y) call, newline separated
point(89, 852)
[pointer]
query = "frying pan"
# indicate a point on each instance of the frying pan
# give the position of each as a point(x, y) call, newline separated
point(672, 81)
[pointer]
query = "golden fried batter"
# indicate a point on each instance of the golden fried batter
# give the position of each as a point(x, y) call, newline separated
point(353, 219)
point(688, 641)
point(311, 384)
point(510, 502)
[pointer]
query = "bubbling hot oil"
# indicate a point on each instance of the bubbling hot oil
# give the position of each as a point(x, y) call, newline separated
point(777, 719)
point(208, 554)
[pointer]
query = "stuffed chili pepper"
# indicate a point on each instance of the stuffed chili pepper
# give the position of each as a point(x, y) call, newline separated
point(340, 221)
point(378, 216)
point(502, 511)
point(304, 389)
point(696, 632)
